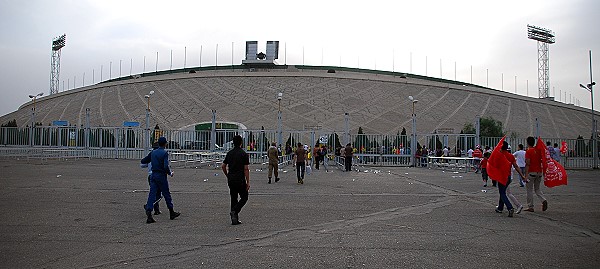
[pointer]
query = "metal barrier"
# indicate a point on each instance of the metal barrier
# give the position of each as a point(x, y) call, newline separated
point(461, 164)
point(129, 143)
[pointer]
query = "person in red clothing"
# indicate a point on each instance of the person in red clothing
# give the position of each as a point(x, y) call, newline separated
point(501, 187)
point(533, 174)
point(477, 155)
point(483, 165)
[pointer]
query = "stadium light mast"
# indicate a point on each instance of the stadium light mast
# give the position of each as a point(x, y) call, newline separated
point(543, 37)
point(57, 44)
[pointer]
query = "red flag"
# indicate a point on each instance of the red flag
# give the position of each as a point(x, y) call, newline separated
point(554, 172)
point(564, 148)
point(498, 167)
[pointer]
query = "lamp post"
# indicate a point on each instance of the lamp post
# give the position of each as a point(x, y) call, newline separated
point(279, 131)
point(590, 87)
point(413, 142)
point(147, 96)
point(33, 97)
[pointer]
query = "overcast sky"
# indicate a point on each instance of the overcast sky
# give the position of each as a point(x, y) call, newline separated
point(482, 35)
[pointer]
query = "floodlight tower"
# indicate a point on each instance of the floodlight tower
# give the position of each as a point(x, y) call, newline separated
point(543, 37)
point(57, 44)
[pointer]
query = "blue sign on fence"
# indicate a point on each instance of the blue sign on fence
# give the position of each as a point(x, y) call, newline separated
point(131, 124)
point(60, 123)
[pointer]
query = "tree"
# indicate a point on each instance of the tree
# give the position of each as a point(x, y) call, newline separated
point(264, 140)
point(460, 143)
point(488, 127)
point(580, 147)
point(334, 141)
point(404, 138)
point(292, 141)
point(435, 144)
point(361, 141)
point(468, 129)
point(11, 123)
point(591, 147)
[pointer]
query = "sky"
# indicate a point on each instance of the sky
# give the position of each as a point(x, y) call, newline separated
point(438, 38)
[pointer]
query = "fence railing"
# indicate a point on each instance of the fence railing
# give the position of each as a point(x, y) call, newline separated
point(195, 146)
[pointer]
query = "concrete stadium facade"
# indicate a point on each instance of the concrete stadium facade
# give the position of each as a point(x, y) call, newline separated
point(374, 100)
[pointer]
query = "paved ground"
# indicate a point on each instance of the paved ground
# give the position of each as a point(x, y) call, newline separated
point(88, 213)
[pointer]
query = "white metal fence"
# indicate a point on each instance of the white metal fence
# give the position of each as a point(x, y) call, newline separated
point(190, 147)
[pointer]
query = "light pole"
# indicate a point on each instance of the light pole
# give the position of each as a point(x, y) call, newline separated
point(34, 97)
point(147, 96)
point(590, 88)
point(279, 131)
point(413, 142)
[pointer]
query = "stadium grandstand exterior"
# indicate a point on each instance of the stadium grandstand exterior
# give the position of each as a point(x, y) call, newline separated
point(313, 96)
point(319, 104)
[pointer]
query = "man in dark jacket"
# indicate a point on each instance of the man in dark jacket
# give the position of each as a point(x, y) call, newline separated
point(238, 177)
point(348, 154)
point(159, 158)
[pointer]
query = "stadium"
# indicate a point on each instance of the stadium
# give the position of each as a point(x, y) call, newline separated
point(313, 96)
point(315, 102)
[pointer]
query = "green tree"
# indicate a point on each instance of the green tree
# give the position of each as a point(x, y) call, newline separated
point(435, 144)
point(11, 123)
point(591, 147)
point(468, 129)
point(334, 142)
point(292, 141)
point(404, 138)
point(580, 147)
point(460, 143)
point(488, 127)
point(361, 140)
point(264, 140)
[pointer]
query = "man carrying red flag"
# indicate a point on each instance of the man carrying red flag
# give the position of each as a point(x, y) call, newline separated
point(499, 168)
point(533, 172)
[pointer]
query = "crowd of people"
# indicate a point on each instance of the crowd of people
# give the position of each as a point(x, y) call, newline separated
point(526, 163)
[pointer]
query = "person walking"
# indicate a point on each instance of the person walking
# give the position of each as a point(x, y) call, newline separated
point(158, 195)
point(317, 155)
point(323, 155)
point(159, 159)
point(515, 202)
point(533, 175)
point(483, 165)
point(556, 153)
point(236, 168)
point(477, 156)
point(520, 157)
point(348, 154)
point(504, 200)
point(300, 161)
point(273, 155)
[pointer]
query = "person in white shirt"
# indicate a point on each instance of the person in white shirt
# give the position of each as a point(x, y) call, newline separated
point(470, 155)
point(520, 157)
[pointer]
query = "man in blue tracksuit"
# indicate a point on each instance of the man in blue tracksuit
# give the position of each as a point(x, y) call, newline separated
point(159, 158)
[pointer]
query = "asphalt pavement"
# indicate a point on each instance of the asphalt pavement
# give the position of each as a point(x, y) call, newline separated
point(88, 214)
